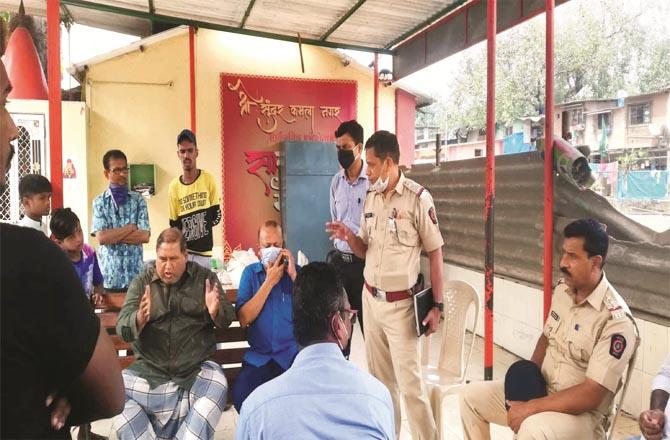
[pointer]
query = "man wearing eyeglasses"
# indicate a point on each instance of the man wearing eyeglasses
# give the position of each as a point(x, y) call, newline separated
point(322, 395)
point(120, 224)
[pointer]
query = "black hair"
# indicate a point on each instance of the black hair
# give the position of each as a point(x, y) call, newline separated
point(32, 184)
point(63, 223)
point(594, 234)
point(318, 293)
point(112, 154)
point(172, 235)
point(353, 129)
point(384, 144)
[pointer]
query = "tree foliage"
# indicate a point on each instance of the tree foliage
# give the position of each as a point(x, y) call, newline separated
point(602, 47)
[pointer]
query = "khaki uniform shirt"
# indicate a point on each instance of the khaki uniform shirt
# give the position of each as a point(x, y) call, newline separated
point(595, 338)
point(395, 229)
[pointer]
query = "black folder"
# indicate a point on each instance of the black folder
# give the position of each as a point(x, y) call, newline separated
point(423, 302)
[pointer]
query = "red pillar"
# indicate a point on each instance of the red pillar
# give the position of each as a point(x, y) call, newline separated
point(489, 202)
point(55, 118)
point(191, 71)
point(548, 159)
point(376, 80)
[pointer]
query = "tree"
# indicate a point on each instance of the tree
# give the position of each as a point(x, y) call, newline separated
point(37, 29)
point(601, 47)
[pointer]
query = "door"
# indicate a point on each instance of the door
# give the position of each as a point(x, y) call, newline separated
point(565, 125)
point(30, 158)
point(306, 171)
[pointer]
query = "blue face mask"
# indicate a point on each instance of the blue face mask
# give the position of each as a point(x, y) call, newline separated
point(119, 193)
point(269, 255)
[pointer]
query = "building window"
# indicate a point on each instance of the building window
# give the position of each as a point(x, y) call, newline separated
point(604, 121)
point(576, 117)
point(640, 114)
point(478, 152)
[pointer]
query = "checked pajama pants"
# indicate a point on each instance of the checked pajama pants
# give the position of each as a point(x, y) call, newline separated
point(168, 411)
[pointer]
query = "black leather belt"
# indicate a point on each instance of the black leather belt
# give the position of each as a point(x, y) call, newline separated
point(348, 258)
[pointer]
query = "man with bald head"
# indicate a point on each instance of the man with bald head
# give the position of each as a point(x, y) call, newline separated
point(264, 301)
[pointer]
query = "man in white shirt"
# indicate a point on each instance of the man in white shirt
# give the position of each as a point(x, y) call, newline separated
point(655, 422)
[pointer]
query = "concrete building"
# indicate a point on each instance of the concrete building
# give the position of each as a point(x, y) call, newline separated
point(639, 122)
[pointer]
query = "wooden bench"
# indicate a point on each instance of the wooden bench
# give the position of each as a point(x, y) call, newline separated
point(231, 343)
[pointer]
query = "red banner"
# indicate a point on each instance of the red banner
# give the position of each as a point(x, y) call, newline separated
point(257, 114)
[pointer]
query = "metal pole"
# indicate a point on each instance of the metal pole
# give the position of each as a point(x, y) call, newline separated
point(191, 71)
point(489, 202)
point(376, 80)
point(548, 159)
point(438, 149)
point(55, 118)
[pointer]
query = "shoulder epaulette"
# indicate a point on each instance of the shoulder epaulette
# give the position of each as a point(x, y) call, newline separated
point(615, 305)
point(415, 187)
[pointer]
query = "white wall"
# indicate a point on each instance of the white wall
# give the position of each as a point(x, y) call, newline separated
point(517, 324)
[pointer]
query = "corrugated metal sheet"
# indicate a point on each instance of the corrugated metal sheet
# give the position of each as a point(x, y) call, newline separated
point(312, 18)
point(379, 22)
point(369, 24)
point(462, 29)
point(227, 13)
point(638, 264)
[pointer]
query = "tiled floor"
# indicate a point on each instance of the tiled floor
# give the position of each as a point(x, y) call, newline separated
point(626, 426)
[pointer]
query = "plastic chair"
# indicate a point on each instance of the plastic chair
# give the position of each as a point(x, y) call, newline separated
point(452, 365)
point(618, 398)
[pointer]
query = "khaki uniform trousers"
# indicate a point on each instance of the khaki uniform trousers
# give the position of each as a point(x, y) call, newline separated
point(392, 351)
point(484, 402)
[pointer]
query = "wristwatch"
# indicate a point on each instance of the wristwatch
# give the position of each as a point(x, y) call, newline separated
point(440, 307)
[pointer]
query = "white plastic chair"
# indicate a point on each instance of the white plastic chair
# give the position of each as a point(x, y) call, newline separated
point(452, 366)
point(618, 398)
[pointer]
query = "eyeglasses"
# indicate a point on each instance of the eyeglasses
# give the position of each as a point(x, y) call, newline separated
point(352, 314)
point(118, 171)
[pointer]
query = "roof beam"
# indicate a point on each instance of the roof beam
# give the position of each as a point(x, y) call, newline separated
point(247, 13)
point(218, 27)
point(342, 19)
point(67, 13)
point(433, 18)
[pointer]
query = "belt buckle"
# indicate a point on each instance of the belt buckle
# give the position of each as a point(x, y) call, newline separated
point(380, 295)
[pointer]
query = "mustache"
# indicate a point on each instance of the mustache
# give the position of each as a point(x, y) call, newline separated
point(565, 271)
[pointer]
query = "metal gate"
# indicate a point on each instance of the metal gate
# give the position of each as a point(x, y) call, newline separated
point(30, 157)
point(306, 171)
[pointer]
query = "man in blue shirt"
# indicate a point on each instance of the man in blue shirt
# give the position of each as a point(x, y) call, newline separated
point(347, 197)
point(322, 395)
point(121, 225)
point(264, 300)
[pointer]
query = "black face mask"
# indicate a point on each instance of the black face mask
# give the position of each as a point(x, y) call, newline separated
point(346, 158)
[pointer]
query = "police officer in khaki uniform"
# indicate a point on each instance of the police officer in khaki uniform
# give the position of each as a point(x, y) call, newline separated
point(398, 221)
point(587, 342)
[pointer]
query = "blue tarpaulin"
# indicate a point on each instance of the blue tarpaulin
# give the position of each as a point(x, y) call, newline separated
point(514, 144)
point(643, 184)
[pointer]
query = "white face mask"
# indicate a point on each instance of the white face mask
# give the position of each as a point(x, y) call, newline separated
point(380, 185)
point(269, 255)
